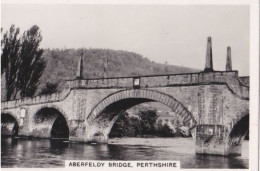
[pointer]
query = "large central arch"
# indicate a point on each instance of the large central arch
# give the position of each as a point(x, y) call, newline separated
point(104, 114)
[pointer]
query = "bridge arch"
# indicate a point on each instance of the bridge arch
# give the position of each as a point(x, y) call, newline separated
point(239, 127)
point(50, 122)
point(9, 124)
point(105, 113)
point(53, 106)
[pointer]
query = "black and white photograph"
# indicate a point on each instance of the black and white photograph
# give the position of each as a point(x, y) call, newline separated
point(128, 85)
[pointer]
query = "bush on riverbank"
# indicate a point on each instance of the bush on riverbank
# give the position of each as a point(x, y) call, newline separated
point(126, 126)
point(144, 125)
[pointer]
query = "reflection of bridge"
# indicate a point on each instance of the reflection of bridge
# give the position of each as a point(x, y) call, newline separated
point(213, 104)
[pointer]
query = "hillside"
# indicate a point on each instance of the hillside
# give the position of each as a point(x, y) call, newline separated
point(62, 64)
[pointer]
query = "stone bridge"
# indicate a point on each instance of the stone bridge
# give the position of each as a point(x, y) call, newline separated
point(214, 105)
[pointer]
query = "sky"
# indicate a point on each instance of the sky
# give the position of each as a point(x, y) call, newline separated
point(176, 34)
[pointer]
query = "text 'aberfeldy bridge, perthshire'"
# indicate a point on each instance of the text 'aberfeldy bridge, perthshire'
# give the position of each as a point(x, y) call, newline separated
point(213, 104)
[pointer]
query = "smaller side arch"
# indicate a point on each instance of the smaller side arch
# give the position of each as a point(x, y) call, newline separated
point(239, 127)
point(53, 106)
point(49, 122)
point(9, 125)
point(10, 112)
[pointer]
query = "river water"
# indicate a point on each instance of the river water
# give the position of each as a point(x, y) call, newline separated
point(52, 153)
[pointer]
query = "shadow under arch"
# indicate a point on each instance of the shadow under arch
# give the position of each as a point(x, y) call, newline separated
point(239, 131)
point(50, 123)
point(237, 135)
point(9, 125)
point(104, 115)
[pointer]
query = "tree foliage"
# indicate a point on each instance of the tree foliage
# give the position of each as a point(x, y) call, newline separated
point(145, 123)
point(126, 126)
point(10, 61)
point(21, 62)
point(148, 121)
point(49, 88)
point(165, 131)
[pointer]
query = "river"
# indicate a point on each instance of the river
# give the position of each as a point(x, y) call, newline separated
point(22, 153)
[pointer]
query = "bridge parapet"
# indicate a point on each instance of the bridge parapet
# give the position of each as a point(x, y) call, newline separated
point(231, 79)
point(245, 80)
point(168, 80)
point(35, 100)
point(121, 82)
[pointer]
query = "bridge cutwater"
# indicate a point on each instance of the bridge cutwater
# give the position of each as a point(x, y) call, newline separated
point(213, 104)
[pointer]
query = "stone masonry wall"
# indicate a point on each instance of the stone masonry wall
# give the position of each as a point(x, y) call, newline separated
point(208, 96)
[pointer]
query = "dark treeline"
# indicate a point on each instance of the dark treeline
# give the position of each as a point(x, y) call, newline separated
point(145, 125)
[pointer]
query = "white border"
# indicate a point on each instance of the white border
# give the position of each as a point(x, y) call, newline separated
point(180, 2)
point(254, 86)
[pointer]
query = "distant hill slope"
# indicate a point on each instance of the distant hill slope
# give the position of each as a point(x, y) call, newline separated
point(62, 64)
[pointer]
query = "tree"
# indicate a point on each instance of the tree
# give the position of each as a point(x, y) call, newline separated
point(49, 88)
point(32, 65)
point(148, 121)
point(10, 61)
point(22, 62)
point(126, 126)
point(165, 131)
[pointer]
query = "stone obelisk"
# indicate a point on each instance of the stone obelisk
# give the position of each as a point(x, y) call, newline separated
point(209, 62)
point(105, 67)
point(229, 62)
point(80, 67)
